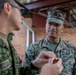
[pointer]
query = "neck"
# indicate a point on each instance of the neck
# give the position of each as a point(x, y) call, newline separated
point(4, 31)
point(54, 40)
point(4, 25)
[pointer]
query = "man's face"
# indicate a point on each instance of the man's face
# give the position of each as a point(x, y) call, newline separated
point(53, 29)
point(15, 17)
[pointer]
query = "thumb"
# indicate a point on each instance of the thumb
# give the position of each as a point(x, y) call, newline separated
point(50, 61)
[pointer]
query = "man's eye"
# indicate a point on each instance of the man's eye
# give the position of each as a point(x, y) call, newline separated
point(57, 25)
point(50, 23)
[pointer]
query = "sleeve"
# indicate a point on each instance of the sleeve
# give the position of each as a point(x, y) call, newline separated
point(72, 48)
point(5, 65)
point(27, 67)
point(74, 67)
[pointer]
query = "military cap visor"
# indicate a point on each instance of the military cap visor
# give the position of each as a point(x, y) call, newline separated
point(58, 21)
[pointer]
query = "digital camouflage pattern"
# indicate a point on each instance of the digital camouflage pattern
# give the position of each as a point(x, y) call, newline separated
point(63, 50)
point(56, 16)
point(10, 63)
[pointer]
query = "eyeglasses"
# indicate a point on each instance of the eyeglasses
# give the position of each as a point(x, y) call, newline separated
point(18, 7)
point(23, 10)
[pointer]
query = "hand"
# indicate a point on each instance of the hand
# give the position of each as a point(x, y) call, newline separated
point(43, 58)
point(52, 69)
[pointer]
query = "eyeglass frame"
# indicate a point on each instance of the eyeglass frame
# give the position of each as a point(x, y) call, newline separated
point(22, 9)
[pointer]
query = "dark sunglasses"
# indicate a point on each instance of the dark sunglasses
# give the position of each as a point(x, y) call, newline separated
point(23, 10)
point(20, 8)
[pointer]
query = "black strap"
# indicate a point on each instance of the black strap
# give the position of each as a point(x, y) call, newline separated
point(34, 67)
point(13, 63)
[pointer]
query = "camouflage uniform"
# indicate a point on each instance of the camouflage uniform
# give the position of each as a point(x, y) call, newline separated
point(63, 50)
point(9, 60)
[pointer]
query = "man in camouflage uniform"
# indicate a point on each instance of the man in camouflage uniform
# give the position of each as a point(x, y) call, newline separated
point(11, 19)
point(53, 42)
point(9, 60)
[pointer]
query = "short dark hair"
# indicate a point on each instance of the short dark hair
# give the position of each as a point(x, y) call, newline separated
point(3, 2)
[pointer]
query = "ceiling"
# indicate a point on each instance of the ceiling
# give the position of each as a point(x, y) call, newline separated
point(43, 4)
point(31, 1)
point(39, 6)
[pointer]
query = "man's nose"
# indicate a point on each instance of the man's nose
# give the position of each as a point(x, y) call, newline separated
point(22, 17)
point(53, 26)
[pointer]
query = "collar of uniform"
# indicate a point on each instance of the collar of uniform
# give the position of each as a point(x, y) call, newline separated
point(10, 36)
point(60, 46)
point(4, 38)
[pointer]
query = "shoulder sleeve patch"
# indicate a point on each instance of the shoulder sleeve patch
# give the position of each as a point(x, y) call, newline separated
point(4, 65)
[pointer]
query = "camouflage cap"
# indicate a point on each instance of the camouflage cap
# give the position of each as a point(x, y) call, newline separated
point(56, 16)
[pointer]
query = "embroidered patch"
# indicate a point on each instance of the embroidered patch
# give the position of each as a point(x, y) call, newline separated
point(4, 65)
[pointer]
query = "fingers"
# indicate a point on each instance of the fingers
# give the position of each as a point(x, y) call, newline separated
point(59, 65)
point(45, 60)
point(48, 54)
point(53, 60)
point(59, 61)
point(61, 68)
point(50, 61)
point(47, 57)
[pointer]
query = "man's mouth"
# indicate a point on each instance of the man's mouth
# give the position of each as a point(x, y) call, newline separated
point(52, 32)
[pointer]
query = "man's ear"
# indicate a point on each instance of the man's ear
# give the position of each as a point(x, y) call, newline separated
point(7, 8)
